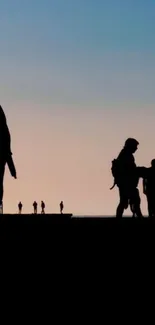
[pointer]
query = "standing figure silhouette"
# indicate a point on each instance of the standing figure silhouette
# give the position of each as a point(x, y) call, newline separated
point(20, 207)
point(35, 205)
point(42, 207)
point(61, 207)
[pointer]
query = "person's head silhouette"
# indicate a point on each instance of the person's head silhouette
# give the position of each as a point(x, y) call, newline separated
point(131, 145)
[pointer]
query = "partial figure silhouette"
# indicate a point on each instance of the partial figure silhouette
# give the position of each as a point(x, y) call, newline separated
point(149, 189)
point(42, 207)
point(126, 177)
point(5, 153)
point(35, 205)
point(20, 206)
point(61, 207)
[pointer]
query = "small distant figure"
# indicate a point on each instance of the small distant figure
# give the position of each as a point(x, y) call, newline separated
point(61, 207)
point(35, 205)
point(42, 207)
point(20, 206)
point(149, 189)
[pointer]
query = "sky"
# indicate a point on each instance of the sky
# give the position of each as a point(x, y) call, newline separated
point(77, 79)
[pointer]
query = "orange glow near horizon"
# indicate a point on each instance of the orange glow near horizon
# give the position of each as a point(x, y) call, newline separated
point(63, 156)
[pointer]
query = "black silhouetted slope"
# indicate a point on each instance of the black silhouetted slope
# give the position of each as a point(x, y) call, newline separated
point(48, 226)
point(34, 219)
point(16, 226)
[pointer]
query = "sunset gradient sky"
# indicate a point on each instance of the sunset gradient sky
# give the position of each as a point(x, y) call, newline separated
point(77, 79)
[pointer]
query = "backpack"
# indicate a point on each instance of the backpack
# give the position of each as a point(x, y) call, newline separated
point(115, 170)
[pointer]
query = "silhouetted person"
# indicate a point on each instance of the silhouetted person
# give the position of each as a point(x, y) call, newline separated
point(126, 178)
point(42, 207)
point(20, 207)
point(149, 189)
point(5, 153)
point(35, 205)
point(61, 207)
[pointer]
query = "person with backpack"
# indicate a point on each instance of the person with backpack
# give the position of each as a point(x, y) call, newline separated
point(126, 176)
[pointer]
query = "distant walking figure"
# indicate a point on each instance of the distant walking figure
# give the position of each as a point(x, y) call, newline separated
point(20, 207)
point(61, 207)
point(5, 153)
point(149, 189)
point(42, 207)
point(126, 177)
point(35, 205)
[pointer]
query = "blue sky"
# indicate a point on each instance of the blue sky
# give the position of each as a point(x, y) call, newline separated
point(84, 60)
point(99, 25)
point(99, 42)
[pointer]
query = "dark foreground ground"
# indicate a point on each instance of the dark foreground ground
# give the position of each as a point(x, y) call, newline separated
point(47, 226)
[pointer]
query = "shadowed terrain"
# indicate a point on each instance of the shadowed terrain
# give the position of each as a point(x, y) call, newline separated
point(30, 226)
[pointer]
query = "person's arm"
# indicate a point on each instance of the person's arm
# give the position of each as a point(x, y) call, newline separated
point(7, 140)
point(9, 158)
point(145, 185)
point(11, 166)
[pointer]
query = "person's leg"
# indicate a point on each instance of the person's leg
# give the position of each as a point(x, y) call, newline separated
point(153, 206)
point(132, 208)
point(150, 203)
point(2, 170)
point(136, 202)
point(123, 204)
